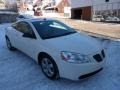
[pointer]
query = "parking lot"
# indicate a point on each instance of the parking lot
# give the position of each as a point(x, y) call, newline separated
point(19, 72)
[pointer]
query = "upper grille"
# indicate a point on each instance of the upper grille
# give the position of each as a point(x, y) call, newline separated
point(98, 57)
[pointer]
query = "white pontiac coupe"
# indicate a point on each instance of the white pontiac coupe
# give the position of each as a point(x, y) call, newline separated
point(60, 50)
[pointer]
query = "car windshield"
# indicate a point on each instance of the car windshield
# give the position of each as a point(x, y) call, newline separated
point(52, 28)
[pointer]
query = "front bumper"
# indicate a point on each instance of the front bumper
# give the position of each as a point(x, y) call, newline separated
point(79, 71)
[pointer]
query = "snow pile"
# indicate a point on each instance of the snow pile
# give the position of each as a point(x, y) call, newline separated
point(19, 72)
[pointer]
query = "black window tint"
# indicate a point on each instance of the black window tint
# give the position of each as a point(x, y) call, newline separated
point(23, 27)
point(16, 26)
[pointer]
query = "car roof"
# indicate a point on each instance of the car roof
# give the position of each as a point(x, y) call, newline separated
point(37, 19)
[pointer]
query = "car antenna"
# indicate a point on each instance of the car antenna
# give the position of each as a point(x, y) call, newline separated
point(45, 19)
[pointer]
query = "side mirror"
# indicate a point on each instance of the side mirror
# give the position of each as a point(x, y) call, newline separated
point(27, 35)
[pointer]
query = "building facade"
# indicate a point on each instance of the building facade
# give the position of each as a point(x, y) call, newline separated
point(100, 10)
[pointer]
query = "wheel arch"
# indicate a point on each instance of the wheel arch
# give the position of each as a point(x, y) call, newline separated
point(41, 55)
point(44, 54)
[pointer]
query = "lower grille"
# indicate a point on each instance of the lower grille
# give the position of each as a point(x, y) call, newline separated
point(90, 74)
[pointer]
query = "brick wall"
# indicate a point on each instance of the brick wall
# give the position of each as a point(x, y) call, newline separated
point(61, 5)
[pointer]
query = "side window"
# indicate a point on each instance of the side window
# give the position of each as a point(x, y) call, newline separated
point(25, 28)
point(16, 26)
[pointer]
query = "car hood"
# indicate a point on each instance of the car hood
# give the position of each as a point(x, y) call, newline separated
point(77, 42)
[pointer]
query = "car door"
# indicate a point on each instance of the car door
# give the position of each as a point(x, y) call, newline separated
point(27, 39)
point(15, 34)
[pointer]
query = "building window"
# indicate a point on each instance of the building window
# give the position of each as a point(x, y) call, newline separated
point(107, 0)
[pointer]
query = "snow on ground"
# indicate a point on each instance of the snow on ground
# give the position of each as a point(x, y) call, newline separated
point(7, 12)
point(19, 72)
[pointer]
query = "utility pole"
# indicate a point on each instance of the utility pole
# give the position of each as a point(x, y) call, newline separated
point(92, 12)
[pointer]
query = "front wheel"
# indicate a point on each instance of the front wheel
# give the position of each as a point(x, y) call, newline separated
point(49, 68)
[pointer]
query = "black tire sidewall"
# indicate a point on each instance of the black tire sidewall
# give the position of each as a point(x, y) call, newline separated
point(11, 47)
point(7, 39)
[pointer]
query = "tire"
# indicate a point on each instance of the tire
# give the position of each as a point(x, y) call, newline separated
point(9, 45)
point(49, 67)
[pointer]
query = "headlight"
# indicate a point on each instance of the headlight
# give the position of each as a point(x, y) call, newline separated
point(74, 57)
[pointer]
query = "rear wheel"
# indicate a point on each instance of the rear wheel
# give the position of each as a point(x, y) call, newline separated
point(49, 68)
point(9, 45)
